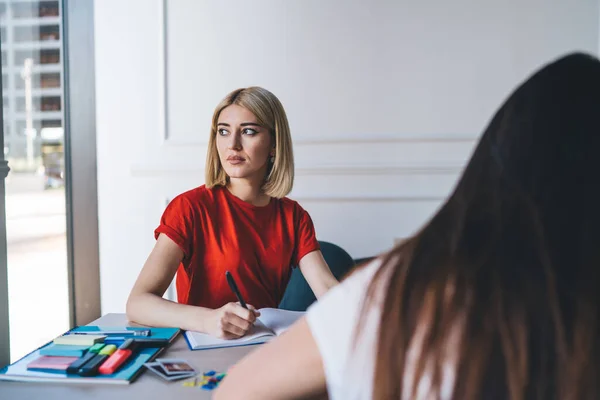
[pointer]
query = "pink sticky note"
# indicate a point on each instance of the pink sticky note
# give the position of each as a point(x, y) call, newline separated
point(51, 363)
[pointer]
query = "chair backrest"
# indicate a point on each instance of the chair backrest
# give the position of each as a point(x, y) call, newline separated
point(298, 295)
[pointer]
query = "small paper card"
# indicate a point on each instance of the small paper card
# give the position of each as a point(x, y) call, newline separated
point(174, 366)
point(171, 369)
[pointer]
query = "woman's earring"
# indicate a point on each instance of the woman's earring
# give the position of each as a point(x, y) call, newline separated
point(272, 158)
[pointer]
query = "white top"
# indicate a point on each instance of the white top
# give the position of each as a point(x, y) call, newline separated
point(349, 365)
point(332, 321)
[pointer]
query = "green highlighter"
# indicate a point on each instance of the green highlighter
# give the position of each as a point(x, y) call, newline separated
point(80, 362)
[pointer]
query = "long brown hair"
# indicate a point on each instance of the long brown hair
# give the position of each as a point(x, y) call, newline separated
point(502, 284)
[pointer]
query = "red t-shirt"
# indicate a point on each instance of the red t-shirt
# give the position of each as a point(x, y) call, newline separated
point(219, 232)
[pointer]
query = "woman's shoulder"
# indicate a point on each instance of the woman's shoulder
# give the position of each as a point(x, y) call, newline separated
point(197, 197)
point(290, 205)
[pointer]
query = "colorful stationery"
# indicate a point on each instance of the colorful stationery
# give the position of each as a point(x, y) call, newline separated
point(64, 350)
point(91, 368)
point(80, 362)
point(139, 341)
point(123, 353)
point(79, 340)
point(125, 374)
point(208, 381)
point(114, 332)
point(50, 363)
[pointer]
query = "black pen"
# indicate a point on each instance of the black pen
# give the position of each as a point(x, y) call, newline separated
point(235, 289)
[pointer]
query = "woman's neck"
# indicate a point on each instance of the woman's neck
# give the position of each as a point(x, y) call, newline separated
point(248, 191)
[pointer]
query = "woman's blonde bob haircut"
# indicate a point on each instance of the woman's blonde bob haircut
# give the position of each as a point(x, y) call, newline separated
point(270, 114)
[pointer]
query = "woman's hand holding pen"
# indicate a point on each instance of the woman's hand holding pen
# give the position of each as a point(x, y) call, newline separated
point(232, 321)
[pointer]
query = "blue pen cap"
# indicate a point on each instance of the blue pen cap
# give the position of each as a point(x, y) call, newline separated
point(117, 341)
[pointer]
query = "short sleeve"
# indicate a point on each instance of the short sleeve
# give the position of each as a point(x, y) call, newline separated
point(332, 321)
point(177, 223)
point(306, 238)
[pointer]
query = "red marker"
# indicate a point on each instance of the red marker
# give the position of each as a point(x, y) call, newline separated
point(117, 358)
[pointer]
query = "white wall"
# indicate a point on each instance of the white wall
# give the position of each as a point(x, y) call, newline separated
point(385, 101)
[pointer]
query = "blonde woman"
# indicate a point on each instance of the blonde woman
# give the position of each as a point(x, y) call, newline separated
point(239, 221)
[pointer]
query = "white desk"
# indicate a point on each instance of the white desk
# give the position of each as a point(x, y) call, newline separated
point(146, 386)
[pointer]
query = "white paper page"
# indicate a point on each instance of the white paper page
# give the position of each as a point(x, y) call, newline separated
point(279, 320)
point(202, 340)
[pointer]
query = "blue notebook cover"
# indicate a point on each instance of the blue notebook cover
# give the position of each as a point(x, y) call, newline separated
point(126, 374)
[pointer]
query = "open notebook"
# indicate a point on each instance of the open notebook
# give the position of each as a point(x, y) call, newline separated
point(271, 323)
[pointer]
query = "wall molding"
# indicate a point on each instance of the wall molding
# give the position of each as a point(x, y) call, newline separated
point(159, 170)
point(366, 199)
point(348, 139)
point(319, 198)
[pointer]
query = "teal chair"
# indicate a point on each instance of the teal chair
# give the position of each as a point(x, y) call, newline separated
point(298, 295)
